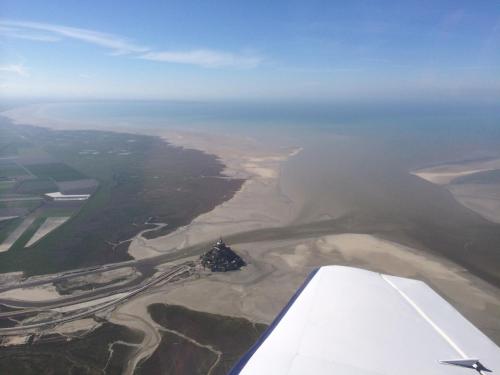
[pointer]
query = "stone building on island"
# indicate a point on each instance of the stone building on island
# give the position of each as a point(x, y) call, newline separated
point(221, 258)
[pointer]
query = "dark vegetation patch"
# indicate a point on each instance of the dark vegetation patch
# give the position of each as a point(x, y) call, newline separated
point(36, 186)
point(231, 336)
point(11, 143)
point(28, 233)
point(11, 169)
point(55, 171)
point(28, 205)
point(70, 286)
point(87, 186)
point(8, 226)
point(18, 208)
point(176, 355)
point(6, 186)
point(55, 355)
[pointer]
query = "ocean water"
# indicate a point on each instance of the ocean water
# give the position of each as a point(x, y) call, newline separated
point(280, 118)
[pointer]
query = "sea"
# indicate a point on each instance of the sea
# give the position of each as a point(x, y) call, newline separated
point(428, 118)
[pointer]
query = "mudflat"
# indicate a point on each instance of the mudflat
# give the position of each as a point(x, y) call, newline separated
point(350, 210)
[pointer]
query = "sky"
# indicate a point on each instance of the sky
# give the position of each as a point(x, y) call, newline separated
point(275, 50)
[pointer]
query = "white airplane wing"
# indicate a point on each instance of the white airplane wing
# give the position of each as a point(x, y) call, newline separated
point(351, 321)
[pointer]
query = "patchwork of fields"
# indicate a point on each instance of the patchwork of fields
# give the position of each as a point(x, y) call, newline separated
point(132, 180)
point(27, 173)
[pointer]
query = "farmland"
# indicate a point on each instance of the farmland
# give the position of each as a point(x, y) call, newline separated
point(9, 169)
point(55, 172)
point(133, 179)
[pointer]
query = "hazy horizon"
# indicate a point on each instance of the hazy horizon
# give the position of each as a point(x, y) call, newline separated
point(280, 51)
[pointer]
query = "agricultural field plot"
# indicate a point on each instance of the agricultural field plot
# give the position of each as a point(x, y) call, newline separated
point(6, 186)
point(10, 169)
point(49, 224)
point(12, 144)
point(7, 227)
point(36, 186)
point(55, 171)
point(86, 186)
point(36, 226)
point(27, 172)
point(26, 202)
point(21, 233)
point(21, 207)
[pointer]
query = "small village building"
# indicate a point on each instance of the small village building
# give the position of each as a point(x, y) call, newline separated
point(58, 196)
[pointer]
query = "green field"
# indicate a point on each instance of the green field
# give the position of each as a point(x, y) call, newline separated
point(6, 186)
point(37, 186)
point(28, 204)
point(11, 169)
point(11, 143)
point(26, 236)
point(7, 226)
point(55, 171)
point(20, 245)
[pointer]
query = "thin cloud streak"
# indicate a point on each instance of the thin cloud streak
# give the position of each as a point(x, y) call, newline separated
point(204, 58)
point(118, 44)
point(18, 69)
point(10, 32)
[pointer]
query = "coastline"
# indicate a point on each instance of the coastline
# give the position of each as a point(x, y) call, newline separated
point(258, 218)
point(259, 203)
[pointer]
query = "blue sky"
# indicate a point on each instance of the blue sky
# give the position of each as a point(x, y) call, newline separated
point(250, 49)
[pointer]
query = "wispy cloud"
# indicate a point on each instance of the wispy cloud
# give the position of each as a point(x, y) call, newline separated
point(120, 45)
point(18, 69)
point(12, 32)
point(205, 58)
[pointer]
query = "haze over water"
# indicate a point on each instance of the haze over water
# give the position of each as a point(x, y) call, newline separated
point(257, 118)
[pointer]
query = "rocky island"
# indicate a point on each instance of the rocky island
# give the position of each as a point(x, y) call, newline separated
point(221, 258)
